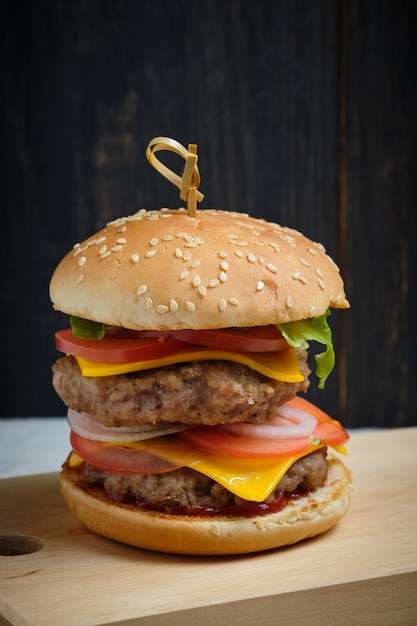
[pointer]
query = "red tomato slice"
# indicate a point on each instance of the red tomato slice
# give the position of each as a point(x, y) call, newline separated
point(217, 441)
point(117, 458)
point(328, 429)
point(117, 348)
point(256, 339)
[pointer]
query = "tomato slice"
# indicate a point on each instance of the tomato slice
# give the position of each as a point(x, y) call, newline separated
point(256, 339)
point(328, 429)
point(114, 458)
point(215, 440)
point(117, 347)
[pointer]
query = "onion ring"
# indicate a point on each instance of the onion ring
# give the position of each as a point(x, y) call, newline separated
point(90, 427)
point(287, 423)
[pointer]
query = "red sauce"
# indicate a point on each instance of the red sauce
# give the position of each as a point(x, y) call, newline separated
point(249, 509)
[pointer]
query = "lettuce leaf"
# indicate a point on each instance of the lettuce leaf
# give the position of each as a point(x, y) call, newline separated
point(299, 333)
point(86, 329)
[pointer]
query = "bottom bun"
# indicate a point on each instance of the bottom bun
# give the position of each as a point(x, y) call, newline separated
point(302, 518)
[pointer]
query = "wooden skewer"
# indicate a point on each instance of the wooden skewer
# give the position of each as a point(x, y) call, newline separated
point(189, 181)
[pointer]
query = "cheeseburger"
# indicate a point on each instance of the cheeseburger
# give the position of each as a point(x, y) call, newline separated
point(182, 371)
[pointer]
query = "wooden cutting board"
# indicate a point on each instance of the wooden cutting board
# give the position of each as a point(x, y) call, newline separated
point(363, 571)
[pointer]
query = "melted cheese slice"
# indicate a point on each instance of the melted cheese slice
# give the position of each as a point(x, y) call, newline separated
point(282, 365)
point(250, 479)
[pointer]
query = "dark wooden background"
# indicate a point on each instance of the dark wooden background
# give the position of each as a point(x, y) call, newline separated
point(303, 112)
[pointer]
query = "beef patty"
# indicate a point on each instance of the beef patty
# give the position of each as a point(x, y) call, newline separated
point(187, 488)
point(198, 392)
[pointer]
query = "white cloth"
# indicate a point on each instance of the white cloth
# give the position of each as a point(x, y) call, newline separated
point(33, 445)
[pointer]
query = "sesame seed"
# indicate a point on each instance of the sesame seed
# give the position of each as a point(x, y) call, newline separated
point(305, 262)
point(80, 279)
point(289, 302)
point(135, 258)
point(173, 305)
point(142, 289)
point(190, 305)
point(312, 251)
point(190, 244)
point(234, 301)
point(105, 254)
point(167, 238)
point(322, 284)
point(214, 283)
point(320, 272)
point(188, 238)
point(100, 240)
point(242, 243)
point(178, 253)
point(162, 308)
point(195, 263)
point(102, 250)
point(222, 304)
point(153, 241)
point(313, 310)
point(80, 249)
point(187, 256)
point(224, 265)
point(271, 268)
point(239, 253)
point(196, 281)
point(116, 248)
point(149, 303)
point(223, 277)
point(122, 229)
point(222, 254)
point(181, 235)
point(260, 286)
point(202, 290)
point(81, 261)
point(251, 257)
point(150, 254)
point(300, 277)
point(121, 240)
point(261, 260)
point(274, 245)
point(183, 274)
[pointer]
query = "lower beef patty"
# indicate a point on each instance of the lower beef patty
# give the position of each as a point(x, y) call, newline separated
point(204, 392)
point(187, 488)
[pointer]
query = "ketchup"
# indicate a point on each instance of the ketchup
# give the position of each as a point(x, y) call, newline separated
point(248, 509)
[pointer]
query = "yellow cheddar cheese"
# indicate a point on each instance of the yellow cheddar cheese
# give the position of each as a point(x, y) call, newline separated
point(282, 365)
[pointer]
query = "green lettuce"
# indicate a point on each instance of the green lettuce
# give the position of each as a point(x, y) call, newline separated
point(299, 333)
point(86, 329)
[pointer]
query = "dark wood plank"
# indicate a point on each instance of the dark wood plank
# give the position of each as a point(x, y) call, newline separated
point(380, 257)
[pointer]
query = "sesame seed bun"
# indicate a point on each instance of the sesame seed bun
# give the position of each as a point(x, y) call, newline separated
point(302, 518)
point(166, 270)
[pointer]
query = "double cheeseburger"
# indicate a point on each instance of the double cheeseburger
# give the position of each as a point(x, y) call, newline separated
point(181, 372)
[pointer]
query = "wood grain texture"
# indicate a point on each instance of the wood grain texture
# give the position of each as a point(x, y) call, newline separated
point(363, 571)
point(257, 86)
point(380, 256)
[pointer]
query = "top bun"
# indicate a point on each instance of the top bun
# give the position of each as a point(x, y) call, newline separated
point(166, 270)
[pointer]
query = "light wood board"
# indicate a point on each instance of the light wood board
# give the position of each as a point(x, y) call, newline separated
point(363, 571)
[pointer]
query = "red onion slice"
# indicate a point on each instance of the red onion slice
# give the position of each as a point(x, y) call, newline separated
point(90, 427)
point(287, 423)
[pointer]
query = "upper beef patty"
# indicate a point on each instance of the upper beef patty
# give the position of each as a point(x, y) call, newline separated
point(204, 392)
